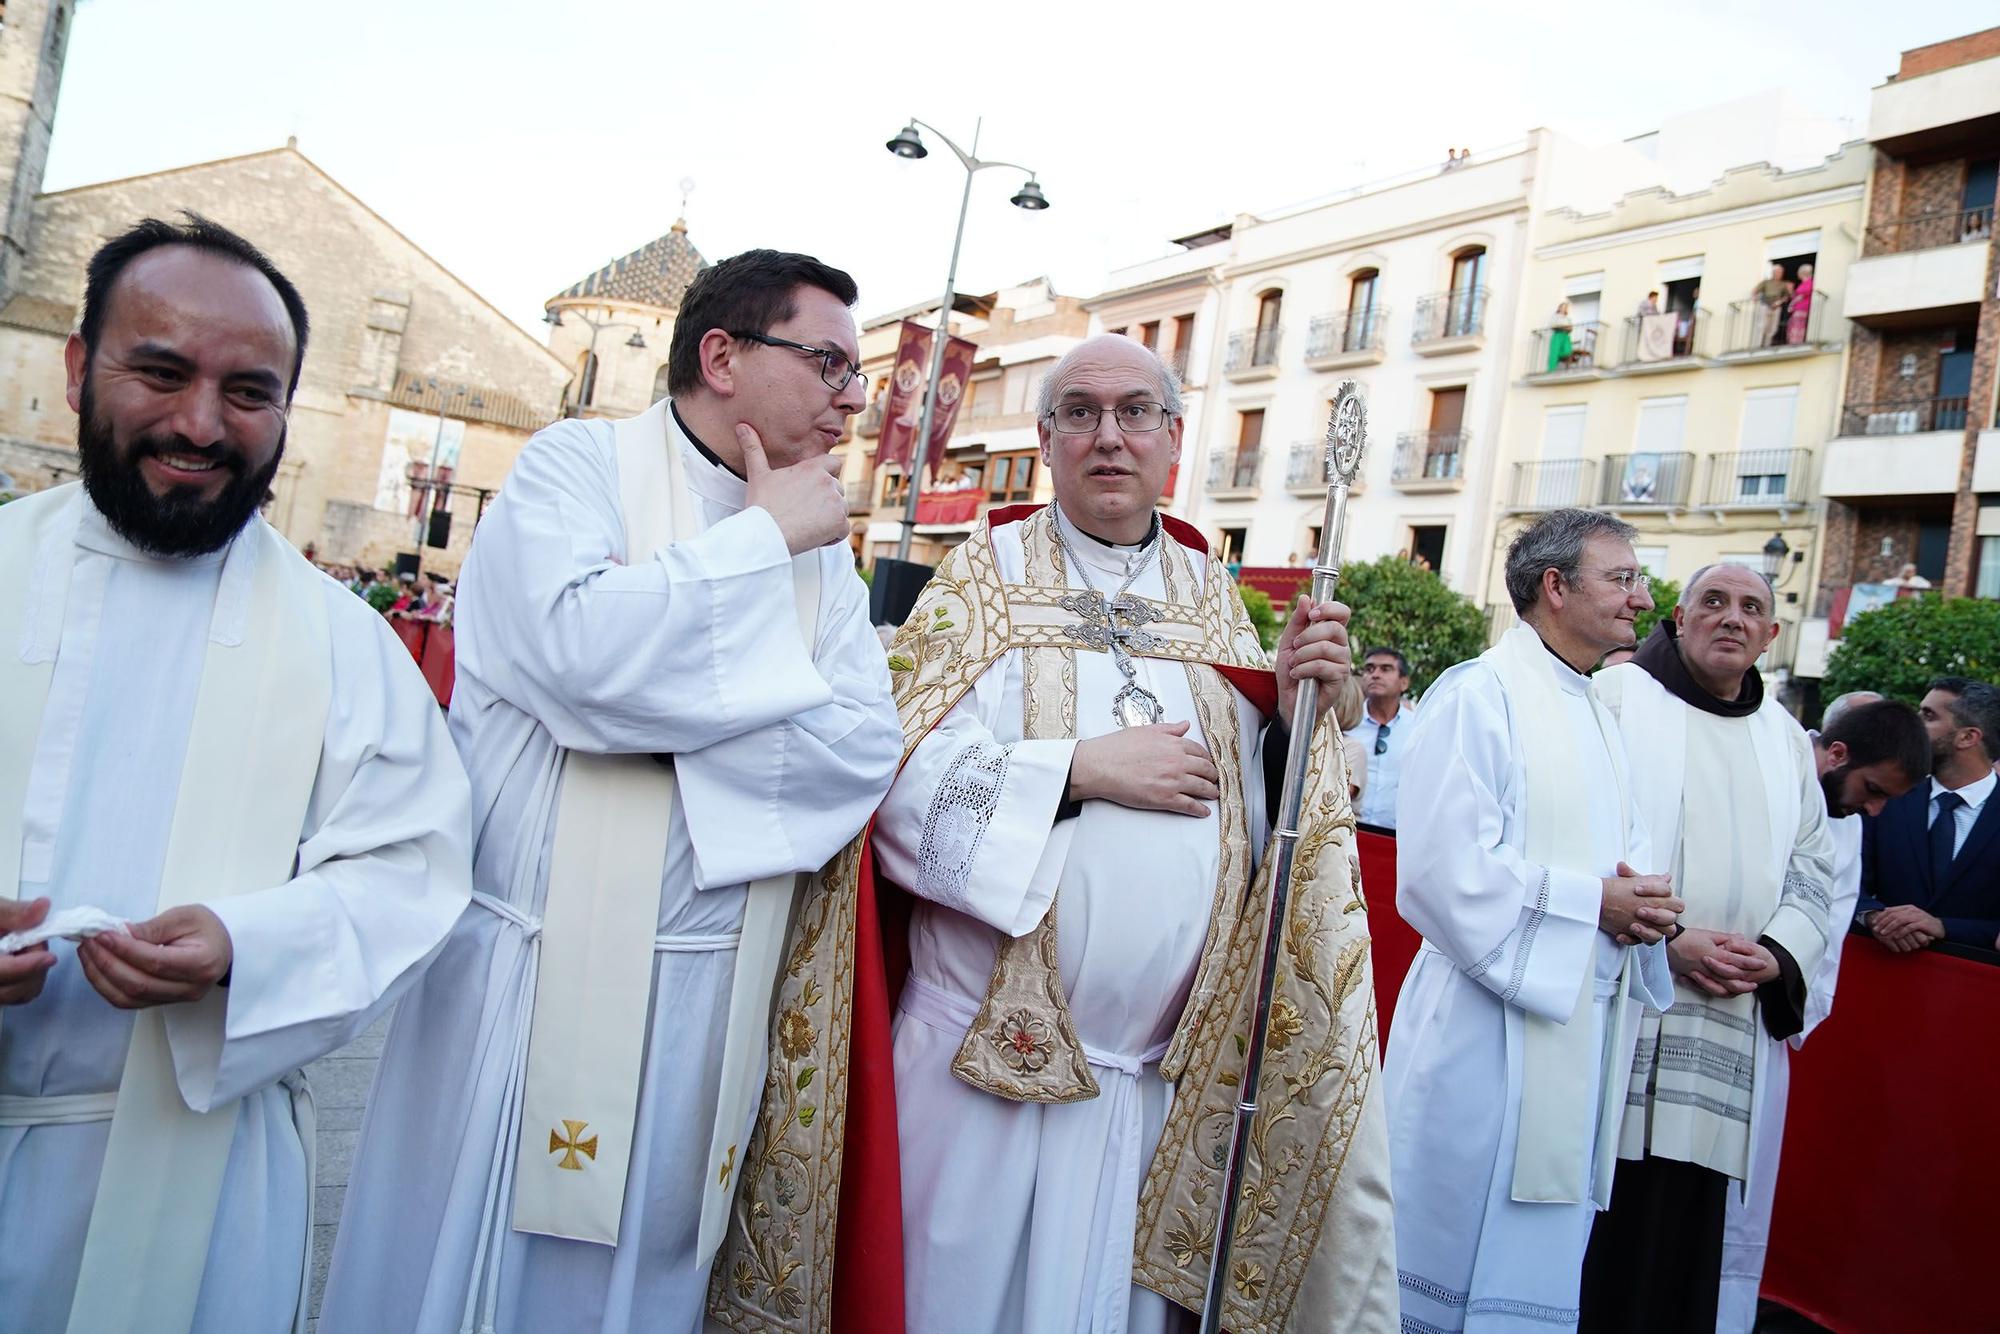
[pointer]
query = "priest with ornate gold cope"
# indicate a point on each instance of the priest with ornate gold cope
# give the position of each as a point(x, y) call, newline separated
point(1089, 723)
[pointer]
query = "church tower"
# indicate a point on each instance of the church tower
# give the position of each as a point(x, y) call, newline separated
point(34, 34)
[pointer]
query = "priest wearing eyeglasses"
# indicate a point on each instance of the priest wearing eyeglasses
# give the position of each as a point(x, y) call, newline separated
point(671, 704)
point(1525, 864)
point(1089, 724)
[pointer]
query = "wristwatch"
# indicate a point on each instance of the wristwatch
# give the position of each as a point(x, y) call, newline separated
point(1675, 931)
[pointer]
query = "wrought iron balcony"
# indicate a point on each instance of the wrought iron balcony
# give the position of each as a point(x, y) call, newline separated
point(1759, 477)
point(1252, 349)
point(1430, 460)
point(1552, 484)
point(1234, 470)
point(1646, 479)
point(1551, 357)
point(1927, 231)
point(861, 496)
point(1903, 416)
point(1754, 331)
point(1354, 335)
point(1444, 316)
point(1668, 347)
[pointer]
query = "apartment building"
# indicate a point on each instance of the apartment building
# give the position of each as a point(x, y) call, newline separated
point(1912, 477)
point(1678, 364)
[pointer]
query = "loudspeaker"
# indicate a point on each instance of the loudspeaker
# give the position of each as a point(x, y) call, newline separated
point(440, 533)
point(407, 562)
point(895, 588)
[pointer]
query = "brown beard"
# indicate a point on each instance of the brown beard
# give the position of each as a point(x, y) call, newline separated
point(180, 523)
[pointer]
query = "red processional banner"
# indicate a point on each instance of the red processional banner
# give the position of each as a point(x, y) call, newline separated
point(904, 413)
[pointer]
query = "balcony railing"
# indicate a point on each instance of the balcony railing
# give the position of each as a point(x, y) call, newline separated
point(860, 496)
point(1577, 349)
point(1252, 348)
point(1903, 417)
point(1552, 484)
point(1650, 341)
point(1460, 313)
point(1927, 231)
point(1234, 470)
point(1762, 477)
point(1346, 332)
point(1430, 456)
point(1305, 468)
point(1646, 479)
point(1754, 327)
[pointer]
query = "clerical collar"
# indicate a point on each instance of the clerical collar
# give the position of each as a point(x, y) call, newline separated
point(1570, 673)
point(1144, 542)
point(696, 441)
point(1660, 656)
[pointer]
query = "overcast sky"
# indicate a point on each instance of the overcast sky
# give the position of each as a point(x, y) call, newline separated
point(524, 143)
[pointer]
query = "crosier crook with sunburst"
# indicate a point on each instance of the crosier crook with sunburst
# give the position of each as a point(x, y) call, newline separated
point(1346, 439)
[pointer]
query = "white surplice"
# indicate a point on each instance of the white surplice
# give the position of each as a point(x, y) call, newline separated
point(1020, 1216)
point(1746, 1232)
point(1503, 938)
point(781, 750)
point(382, 874)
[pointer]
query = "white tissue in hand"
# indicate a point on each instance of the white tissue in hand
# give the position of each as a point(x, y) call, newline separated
point(69, 924)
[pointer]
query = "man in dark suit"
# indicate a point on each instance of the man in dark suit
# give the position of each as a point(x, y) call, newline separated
point(1930, 862)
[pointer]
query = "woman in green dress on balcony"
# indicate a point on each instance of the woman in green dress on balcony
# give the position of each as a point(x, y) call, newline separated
point(1561, 348)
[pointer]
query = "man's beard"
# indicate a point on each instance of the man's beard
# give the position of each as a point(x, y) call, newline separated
point(1830, 784)
point(180, 523)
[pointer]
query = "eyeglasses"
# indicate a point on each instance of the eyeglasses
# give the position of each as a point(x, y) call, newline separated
point(1082, 418)
point(1627, 580)
point(835, 371)
point(1382, 739)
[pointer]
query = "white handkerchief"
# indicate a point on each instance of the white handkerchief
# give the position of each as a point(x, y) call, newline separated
point(69, 924)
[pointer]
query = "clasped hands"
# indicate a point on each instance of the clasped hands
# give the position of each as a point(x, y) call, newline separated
point(1905, 928)
point(176, 956)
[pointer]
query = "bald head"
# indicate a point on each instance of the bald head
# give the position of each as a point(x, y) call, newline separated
point(1110, 351)
point(1736, 574)
point(1725, 620)
point(1844, 704)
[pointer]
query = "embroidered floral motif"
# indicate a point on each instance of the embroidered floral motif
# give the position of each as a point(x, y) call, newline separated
point(1025, 1042)
point(1249, 1279)
point(796, 1034)
point(1286, 1024)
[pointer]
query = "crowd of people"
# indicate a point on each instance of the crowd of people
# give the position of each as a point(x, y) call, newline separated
point(724, 945)
point(413, 595)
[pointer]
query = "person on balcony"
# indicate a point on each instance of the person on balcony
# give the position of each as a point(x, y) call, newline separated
point(1802, 299)
point(1771, 295)
point(1561, 346)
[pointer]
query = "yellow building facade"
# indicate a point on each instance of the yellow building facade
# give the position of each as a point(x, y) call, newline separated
point(1678, 361)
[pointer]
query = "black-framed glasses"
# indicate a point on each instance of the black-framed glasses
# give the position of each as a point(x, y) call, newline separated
point(1382, 739)
point(835, 370)
point(1082, 418)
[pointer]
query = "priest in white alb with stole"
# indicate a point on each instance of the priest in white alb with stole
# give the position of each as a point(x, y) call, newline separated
point(672, 706)
point(1867, 751)
point(1520, 849)
point(1726, 781)
point(1089, 719)
point(226, 766)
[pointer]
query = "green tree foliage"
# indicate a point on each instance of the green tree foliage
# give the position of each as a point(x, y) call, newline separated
point(1901, 648)
point(1257, 605)
point(1408, 608)
point(1665, 594)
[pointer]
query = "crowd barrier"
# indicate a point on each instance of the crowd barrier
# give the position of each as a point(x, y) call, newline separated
point(1888, 1205)
point(431, 645)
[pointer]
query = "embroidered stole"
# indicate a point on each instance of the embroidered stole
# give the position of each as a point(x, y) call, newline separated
point(252, 756)
point(593, 990)
point(1557, 1058)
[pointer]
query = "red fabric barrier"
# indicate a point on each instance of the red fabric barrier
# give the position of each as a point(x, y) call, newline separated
point(1281, 583)
point(438, 661)
point(1888, 1209)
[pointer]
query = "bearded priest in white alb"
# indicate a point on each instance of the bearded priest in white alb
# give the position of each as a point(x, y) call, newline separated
point(672, 705)
point(1727, 782)
point(1518, 839)
point(223, 769)
point(1087, 712)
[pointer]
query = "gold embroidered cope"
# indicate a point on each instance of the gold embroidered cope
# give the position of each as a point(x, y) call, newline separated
point(1319, 1163)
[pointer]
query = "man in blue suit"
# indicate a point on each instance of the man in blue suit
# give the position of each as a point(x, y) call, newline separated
point(1930, 862)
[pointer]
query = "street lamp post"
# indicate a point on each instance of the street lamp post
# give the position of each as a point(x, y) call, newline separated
point(908, 144)
point(554, 318)
point(445, 399)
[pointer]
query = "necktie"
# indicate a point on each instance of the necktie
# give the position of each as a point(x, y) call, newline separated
point(1944, 833)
